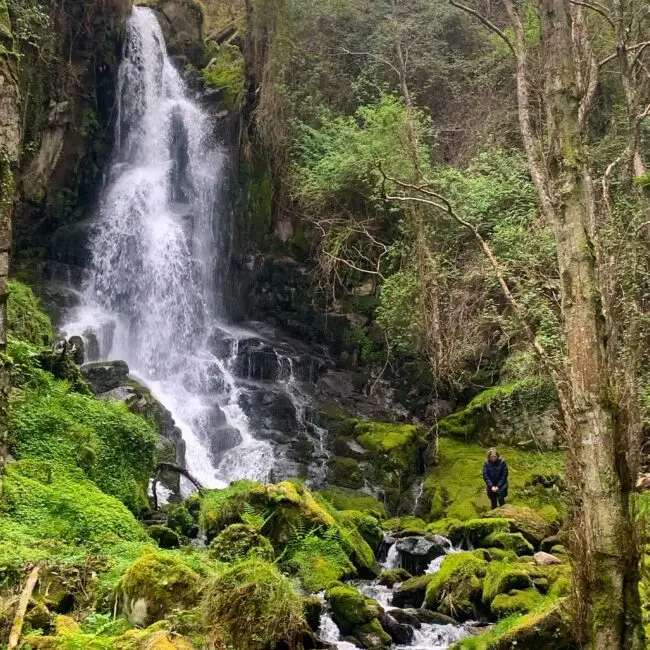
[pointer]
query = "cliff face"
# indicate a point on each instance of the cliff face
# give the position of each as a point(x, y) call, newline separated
point(66, 75)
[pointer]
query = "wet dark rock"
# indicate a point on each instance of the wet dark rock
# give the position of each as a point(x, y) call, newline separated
point(416, 552)
point(433, 618)
point(271, 410)
point(103, 376)
point(407, 616)
point(77, 349)
point(401, 633)
point(92, 346)
point(222, 440)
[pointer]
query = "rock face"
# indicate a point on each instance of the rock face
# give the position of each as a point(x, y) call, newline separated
point(104, 376)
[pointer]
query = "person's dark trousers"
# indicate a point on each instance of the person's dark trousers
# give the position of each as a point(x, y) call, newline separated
point(494, 497)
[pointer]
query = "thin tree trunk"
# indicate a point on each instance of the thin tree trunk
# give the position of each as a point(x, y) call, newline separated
point(19, 618)
point(604, 549)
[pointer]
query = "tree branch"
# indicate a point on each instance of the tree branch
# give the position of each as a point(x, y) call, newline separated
point(489, 24)
point(441, 203)
point(179, 470)
point(19, 618)
point(597, 7)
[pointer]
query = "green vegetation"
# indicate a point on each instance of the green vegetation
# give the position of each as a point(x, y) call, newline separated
point(239, 540)
point(26, 320)
point(456, 489)
point(456, 588)
point(253, 606)
point(225, 72)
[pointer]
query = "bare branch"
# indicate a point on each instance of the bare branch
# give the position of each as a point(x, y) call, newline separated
point(597, 7)
point(441, 203)
point(17, 627)
point(372, 55)
point(489, 24)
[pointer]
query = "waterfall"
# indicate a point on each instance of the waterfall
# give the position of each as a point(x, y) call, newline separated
point(149, 292)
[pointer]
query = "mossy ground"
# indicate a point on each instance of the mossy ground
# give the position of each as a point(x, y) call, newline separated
point(455, 487)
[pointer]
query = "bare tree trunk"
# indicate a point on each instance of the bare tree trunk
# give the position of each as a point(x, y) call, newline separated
point(604, 548)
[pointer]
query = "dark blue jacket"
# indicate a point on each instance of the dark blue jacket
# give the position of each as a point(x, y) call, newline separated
point(496, 474)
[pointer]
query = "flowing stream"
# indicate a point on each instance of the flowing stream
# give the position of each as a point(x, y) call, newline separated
point(148, 294)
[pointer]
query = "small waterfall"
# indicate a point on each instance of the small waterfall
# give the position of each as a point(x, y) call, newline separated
point(149, 292)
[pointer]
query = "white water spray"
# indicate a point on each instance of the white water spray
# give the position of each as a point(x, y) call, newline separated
point(149, 291)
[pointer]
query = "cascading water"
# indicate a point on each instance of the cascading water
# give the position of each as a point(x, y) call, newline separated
point(148, 291)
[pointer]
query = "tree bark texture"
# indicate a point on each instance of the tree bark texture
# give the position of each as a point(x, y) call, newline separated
point(604, 547)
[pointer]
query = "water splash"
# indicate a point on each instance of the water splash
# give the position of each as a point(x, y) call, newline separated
point(149, 291)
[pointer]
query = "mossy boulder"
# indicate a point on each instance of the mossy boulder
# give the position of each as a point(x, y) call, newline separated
point(155, 585)
point(455, 590)
point(239, 540)
point(411, 592)
point(165, 537)
point(546, 628)
point(391, 577)
point(510, 542)
point(525, 521)
point(292, 508)
point(405, 525)
point(181, 520)
point(357, 616)
point(502, 577)
point(254, 607)
point(367, 525)
point(344, 472)
point(394, 450)
point(515, 602)
point(476, 531)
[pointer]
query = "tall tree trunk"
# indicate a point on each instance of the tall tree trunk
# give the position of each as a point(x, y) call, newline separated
point(604, 549)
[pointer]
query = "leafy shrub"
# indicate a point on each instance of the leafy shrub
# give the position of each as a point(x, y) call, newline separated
point(26, 320)
point(226, 72)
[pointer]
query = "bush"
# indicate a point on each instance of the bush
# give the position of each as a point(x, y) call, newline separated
point(254, 607)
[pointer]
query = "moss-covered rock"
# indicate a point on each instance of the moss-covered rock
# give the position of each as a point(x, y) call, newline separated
point(254, 607)
point(405, 525)
point(372, 636)
point(239, 540)
point(476, 531)
point(548, 627)
point(155, 585)
point(345, 499)
point(510, 542)
point(502, 577)
point(525, 521)
point(165, 537)
point(391, 577)
point(367, 525)
point(351, 610)
point(25, 319)
point(411, 592)
point(515, 602)
point(344, 472)
point(456, 588)
point(285, 509)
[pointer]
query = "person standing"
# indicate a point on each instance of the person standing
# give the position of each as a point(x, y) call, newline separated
point(495, 475)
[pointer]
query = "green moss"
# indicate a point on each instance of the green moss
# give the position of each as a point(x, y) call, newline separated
point(533, 526)
point(225, 72)
point(344, 499)
point(61, 503)
point(405, 524)
point(501, 577)
point(411, 592)
point(456, 587)
point(254, 606)
point(516, 601)
point(372, 635)
point(442, 526)
point(165, 537)
point(510, 542)
point(475, 420)
point(156, 584)
point(114, 448)
point(391, 577)
point(319, 561)
point(475, 531)
point(455, 485)
point(219, 508)
point(350, 608)
point(25, 319)
point(238, 541)
point(180, 520)
point(344, 472)
point(367, 525)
